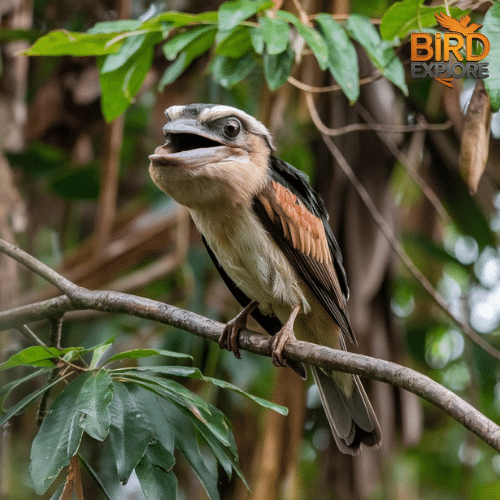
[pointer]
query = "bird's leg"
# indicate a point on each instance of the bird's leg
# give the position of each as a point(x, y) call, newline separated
point(230, 336)
point(282, 337)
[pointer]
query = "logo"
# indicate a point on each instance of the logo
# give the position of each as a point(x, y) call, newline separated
point(462, 37)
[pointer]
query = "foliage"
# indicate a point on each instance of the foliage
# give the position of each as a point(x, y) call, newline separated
point(139, 412)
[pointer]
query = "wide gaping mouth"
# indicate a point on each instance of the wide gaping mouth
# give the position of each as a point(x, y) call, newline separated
point(189, 150)
point(187, 142)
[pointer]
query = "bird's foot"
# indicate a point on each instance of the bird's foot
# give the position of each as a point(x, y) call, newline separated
point(230, 336)
point(279, 340)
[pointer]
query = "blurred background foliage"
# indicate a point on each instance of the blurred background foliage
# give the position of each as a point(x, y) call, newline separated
point(75, 192)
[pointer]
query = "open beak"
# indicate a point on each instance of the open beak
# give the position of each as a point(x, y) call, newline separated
point(187, 145)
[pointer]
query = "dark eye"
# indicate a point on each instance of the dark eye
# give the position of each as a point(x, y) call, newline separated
point(232, 128)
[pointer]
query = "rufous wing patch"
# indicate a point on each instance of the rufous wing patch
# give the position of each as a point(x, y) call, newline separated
point(301, 228)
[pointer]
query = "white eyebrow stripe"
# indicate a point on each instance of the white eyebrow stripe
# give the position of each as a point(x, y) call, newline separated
point(220, 111)
point(174, 112)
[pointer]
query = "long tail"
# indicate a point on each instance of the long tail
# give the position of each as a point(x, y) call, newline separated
point(351, 417)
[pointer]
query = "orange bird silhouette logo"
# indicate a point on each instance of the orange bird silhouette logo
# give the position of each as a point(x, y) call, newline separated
point(459, 26)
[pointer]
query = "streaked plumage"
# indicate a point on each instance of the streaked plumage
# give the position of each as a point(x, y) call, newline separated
point(267, 232)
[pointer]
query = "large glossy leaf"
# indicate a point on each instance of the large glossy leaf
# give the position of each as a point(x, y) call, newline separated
point(93, 402)
point(228, 71)
point(342, 57)
point(25, 402)
point(277, 68)
point(49, 451)
point(155, 474)
point(62, 43)
point(410, 15)
point(196, 48)
point(491, 29)
point(129, 433)
point(311, 36)
point(379, 51)
point(233, 13)
point(34, 356)
point(146, 353)
point(129, 49)
point(275, 34)
point(6, 389)
point(118, 26)
point(262, 402)
point(121, 85)
point(179, 42)
point(237, 44)
point(184, 435)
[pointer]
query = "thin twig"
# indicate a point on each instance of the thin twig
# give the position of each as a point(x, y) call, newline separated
point(329, 88)
point(396, 246)
point(258, 343)
point(416, 177)
point(356, 127)
point(28, 334)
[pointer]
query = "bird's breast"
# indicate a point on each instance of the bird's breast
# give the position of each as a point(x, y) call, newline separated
point(251, 258)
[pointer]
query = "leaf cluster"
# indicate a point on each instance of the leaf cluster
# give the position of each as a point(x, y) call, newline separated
point(140, 412)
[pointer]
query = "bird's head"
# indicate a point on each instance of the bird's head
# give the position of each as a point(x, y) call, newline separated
point(212, 154)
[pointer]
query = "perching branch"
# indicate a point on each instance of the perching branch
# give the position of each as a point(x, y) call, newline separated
point(78, 298)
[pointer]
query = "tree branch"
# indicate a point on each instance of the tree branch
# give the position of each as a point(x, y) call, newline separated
point(365, 366)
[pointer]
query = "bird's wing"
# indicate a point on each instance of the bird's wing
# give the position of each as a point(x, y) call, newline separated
point(297, 220)
point(448, 22)
point(271, 324)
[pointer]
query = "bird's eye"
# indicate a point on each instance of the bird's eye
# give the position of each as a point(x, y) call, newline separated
point(232, 128)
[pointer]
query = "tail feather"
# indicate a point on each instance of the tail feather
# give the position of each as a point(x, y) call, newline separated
point(351, 417)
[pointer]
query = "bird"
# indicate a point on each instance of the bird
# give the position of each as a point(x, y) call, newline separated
point(267, 232)
point(459, 26)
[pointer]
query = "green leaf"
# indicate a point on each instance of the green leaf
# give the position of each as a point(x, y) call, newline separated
point(155, 474)
point(311, 36)
point(174, 371)
point(25, 402)
point(277, 68)
point(179, 42)
point(379, 51)
point(115, 27)
point(6, 389)
point(184, 434)
point(129, 433)
point(179, 19)
point(120, 86)
point(342, 57)
point(262, 402)
point(91, 472)
point(152, 408)
point(146, 353)
point(65, 43)
point(410, 15)
point(129, 49)
point(93, 401)
point(491, 29)
point(228, 71)
point(49, 450)
point(195, 49)
point(99, 350)
point(237, 44)
point(35, 356)
point(275, 34)
point(166, 388)
point(257, 39)
point(233, 13)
